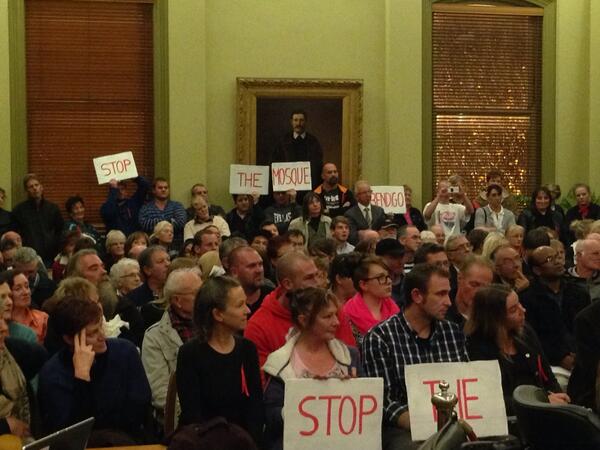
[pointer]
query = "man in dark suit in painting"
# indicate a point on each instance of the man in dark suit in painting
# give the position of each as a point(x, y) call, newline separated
point(298, 145)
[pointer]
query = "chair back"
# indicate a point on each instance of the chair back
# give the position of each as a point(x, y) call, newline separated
point(554, 427)
point(170, 406)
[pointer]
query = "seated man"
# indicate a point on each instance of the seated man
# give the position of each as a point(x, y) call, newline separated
point(163, 339)
point(269, 326)
point(340, 232)
point(552, 304)
point(93, 376)
point(418, 334)
point(213, 210)
point(154, 264)
point(586, 271)
point(283, 210)
point(508, 268)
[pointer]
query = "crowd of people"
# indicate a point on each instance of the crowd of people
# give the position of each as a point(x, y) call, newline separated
point(228, 306)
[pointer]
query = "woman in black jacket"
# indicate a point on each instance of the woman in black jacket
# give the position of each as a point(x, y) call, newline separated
point(497, 330)
point(541, 213)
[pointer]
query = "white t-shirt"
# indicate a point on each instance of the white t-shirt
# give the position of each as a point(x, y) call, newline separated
point(451, 217)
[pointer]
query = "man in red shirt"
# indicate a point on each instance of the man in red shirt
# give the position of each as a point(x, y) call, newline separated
point(269, 326)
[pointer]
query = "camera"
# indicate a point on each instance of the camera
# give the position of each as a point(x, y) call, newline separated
point(454, 190)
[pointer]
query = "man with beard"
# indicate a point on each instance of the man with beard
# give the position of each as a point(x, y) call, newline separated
point(417, 334)
point(337, 198)
point(552, 304)
point(298, 145)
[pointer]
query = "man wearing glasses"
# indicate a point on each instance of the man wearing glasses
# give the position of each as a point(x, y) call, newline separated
point(363, 215)
point(552, 304)
point(418, 334)
point(458, 250)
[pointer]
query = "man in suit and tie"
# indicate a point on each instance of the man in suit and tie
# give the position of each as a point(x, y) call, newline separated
point(364, 215)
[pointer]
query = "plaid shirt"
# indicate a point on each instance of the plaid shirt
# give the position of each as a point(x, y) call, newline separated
point(393, 344)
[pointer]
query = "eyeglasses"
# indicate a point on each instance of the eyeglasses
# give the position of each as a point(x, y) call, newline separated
point(384, 278)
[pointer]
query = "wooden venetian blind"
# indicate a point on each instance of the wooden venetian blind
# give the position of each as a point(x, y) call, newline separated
point(89, 92)
point(487, 71)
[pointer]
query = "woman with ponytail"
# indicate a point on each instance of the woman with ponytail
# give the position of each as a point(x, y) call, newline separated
point(217, 371)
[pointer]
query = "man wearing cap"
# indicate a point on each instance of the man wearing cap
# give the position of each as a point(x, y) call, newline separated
point(392, 253)
point(388, 230)
point(363, 215)
point(338, 199)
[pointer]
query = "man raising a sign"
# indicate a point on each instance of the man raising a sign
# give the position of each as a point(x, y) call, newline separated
point(418, 334)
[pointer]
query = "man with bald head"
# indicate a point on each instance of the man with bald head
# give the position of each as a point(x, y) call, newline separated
point(476, 273)
point(269, 326)
point(552, 303)
point(586, 271)
point(363, 215)
point(508, 268)
point(338, 198)
point(246, 266)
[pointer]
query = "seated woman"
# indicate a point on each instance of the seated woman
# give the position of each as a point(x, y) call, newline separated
point(115, 248)
point(163, 235)
point(93, 376)
point(311, 351)
point(217, 372)
point(372, 302)
point(313, 223)
point(23, 312)
point(136, 243)
point(14, 403)
point(76, 210)
point(497, 330)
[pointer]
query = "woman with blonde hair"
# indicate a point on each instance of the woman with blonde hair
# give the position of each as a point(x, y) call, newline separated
point(163, 235)
point(115, 248)
point(491, 242)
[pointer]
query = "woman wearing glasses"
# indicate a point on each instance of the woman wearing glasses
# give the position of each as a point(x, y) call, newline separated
point(373, 302)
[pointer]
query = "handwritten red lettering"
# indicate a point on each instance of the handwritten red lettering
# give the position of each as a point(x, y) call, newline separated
point(365, 412)
point(467, 398)
point(347, 398)
point(308, 416)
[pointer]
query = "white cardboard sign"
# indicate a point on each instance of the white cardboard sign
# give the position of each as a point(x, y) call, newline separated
point(333, 414)
point(120, 166)
point(477, 385)
point(246, 179)
point(390, 198)
point(292, 175)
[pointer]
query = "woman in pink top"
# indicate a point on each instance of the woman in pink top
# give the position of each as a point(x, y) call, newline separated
point(372, 303)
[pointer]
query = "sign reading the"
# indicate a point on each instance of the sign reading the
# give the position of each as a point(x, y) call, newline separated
point(333, 414)
point(390, 198)
point(293, 175)
point(477, 385)
point(120, 166)
point(245, 179)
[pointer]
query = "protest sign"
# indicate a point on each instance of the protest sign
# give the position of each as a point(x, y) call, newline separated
point(246, 179)
point(119, 166)
point(390, 198)
point(478, 388)
point(293, 175)
point(333, 414)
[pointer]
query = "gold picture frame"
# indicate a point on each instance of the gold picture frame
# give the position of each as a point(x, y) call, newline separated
point(261, 101)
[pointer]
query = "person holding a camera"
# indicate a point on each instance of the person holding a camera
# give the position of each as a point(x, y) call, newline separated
point(452, 216)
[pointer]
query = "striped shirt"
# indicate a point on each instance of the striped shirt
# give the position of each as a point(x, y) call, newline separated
point(393, 344)
point(173, 213)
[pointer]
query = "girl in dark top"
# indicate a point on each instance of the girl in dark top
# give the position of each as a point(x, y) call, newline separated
point(497, 330)
point(217, 372)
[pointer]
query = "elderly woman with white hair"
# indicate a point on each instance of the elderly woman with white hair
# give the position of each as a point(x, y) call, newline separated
point(115, 248)
point(163, 235)
point(125, 277)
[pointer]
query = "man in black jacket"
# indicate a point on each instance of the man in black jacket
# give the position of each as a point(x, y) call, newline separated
point(38, 221)
point(552, 304)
